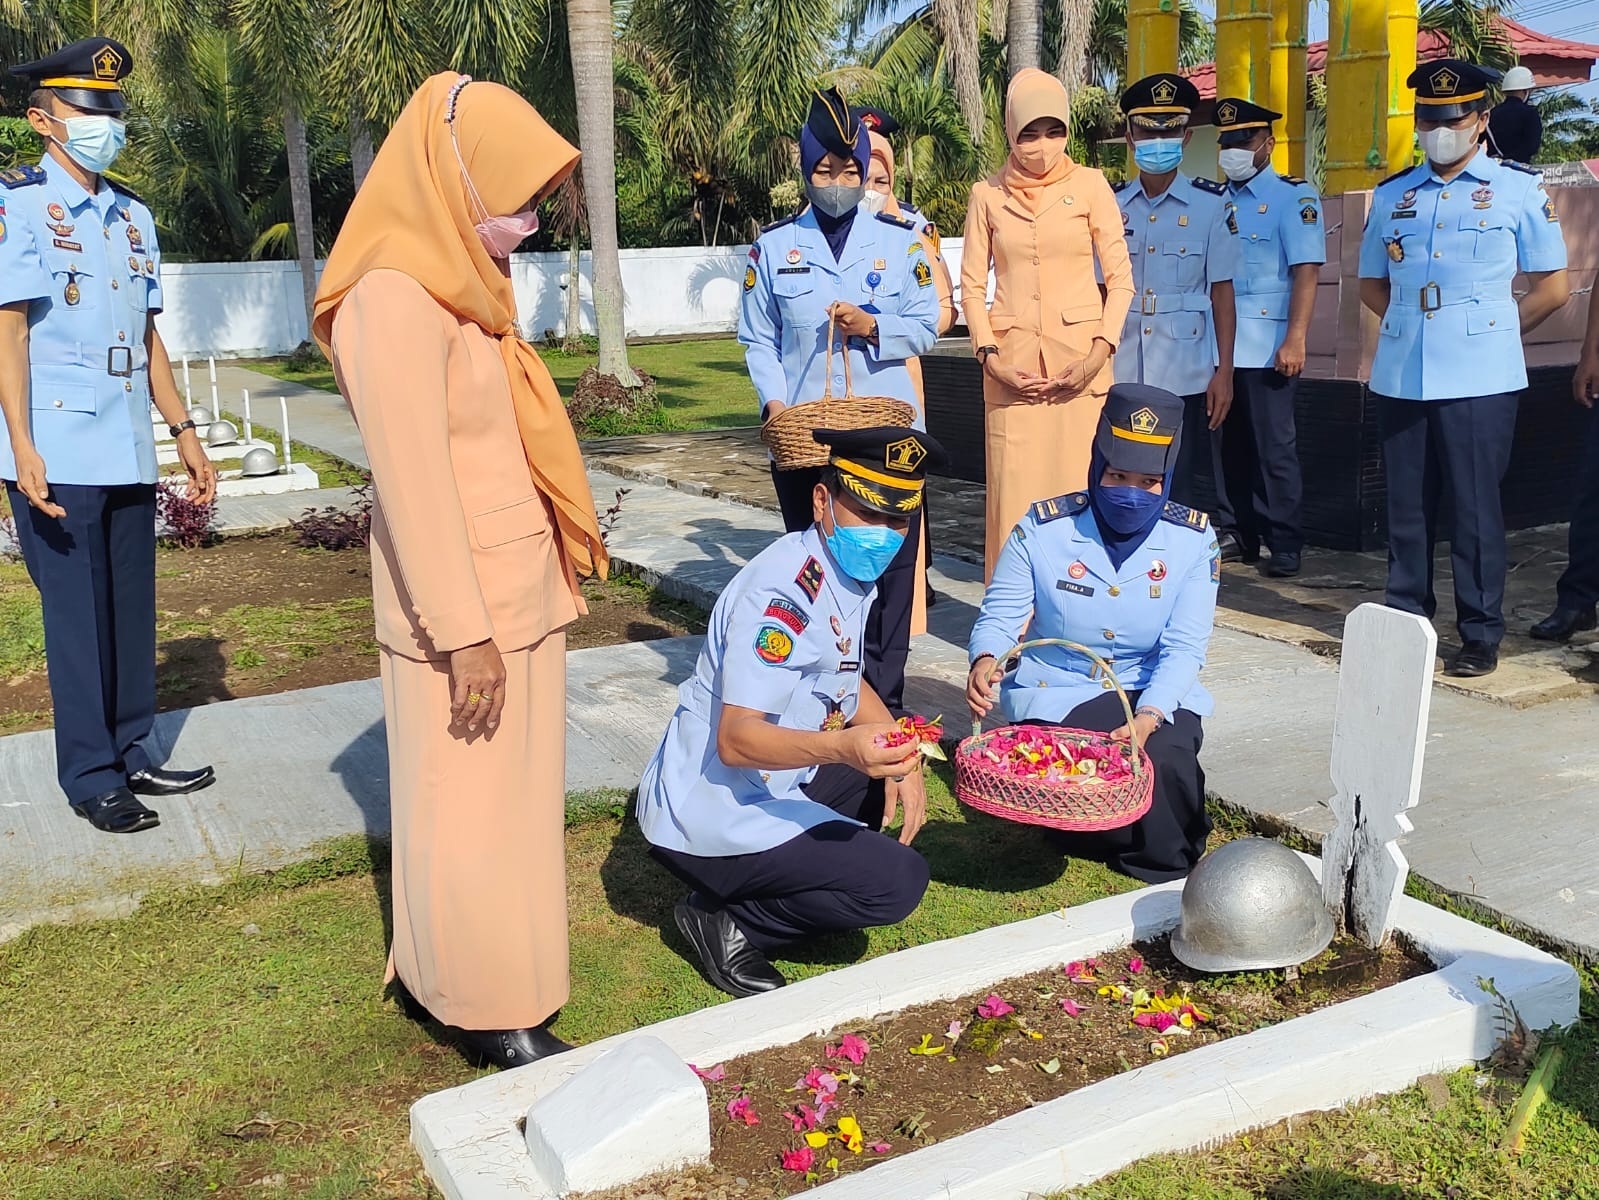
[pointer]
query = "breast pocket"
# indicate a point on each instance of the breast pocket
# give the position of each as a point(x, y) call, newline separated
point(75, 290)
point(1259, 249)
point(1487, 237)
point(794, 291)
point(1183, 263)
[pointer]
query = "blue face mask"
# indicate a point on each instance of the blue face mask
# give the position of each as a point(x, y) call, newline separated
point(862, 552)
point(94, 142)
point(1158, 155)
point(1127, 509)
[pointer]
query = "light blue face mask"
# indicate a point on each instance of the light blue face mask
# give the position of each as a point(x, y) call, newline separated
point(1158, 155)
point(94, 142)
point(862, 552)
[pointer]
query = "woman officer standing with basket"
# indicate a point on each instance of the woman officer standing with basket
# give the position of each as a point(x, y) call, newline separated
point(1132, 578)
point(833, 297)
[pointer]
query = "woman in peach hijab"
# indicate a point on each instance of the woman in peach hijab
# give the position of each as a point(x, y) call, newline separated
point(482, 520)
point(1046, 344)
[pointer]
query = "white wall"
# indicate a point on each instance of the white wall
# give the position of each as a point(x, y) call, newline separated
point(251, 310)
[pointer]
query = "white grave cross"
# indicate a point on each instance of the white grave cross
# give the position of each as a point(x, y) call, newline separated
point(1379, 740)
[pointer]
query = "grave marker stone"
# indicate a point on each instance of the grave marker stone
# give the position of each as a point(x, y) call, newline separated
point(1379, 740)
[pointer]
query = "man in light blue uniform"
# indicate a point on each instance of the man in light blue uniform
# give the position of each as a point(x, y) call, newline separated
point(1132, 576)
point(80, 363)
point(870, 274)
point(1443, 242)
point(1282, 243)
point(1179, 334)
point(758, 795)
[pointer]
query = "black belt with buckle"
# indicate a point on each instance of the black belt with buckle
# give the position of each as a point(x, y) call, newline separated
point(111, 367)
point(1432, 298)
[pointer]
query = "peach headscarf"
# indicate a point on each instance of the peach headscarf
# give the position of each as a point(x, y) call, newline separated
point(1034, 94)
point(413, 215)
point(883, 150)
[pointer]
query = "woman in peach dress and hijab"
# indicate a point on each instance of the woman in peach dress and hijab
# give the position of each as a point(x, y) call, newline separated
point(482, 521)
point(1046, 343)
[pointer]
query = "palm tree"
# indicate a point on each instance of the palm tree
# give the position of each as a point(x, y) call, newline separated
point(956, 22)
point(1472, 29)
point(1023, 19)
point(590, 33)
point(283, 43)
point(1570, 128)
point(386, 49)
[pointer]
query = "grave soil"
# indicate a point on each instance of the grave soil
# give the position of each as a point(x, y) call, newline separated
point(255, 616)
point(906, 1100)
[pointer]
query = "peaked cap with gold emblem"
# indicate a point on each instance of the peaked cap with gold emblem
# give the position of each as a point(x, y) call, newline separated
point(1449, 88)
point(1236, 119)
point(883, 468)
point(1163, 101)
point(1140, 428)
point(87, 74)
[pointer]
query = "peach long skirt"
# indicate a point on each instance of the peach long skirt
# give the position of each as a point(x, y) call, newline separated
point(1034, 451)
point(480, 933)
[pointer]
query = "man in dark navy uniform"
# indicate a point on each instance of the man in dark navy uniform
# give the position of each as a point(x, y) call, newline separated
point(80, 364)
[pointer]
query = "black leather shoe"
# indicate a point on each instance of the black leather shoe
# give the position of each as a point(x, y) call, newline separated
point(118, 811)
point(730, 962)
point(1474, 659)
point(1230, 548)
point(1559, 625)
point(509, 1048)
point(1283, 564)
point(152, 782)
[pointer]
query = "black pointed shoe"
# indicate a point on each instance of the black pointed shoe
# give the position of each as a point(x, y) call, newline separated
point(1230, 548)
point(117, 811)
point(153, 782)
point(729, 961)
point(1475, 659)
point(1283, 564)
point(1559, 625)
point(508, 1048)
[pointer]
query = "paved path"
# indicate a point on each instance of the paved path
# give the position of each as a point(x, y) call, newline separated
point(316, 417)
point(1506, 817)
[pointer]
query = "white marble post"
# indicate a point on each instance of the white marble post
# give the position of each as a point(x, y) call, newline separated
point(1379, 740)
point(288, 453)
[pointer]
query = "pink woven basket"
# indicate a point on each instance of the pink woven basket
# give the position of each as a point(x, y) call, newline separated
point(1079, 803)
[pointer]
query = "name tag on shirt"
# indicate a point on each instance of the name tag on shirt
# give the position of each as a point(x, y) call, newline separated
point(1401, 213)
point(793, 270)
point(1075, 588)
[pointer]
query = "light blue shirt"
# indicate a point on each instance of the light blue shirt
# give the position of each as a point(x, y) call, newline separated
point(1449, 252)
point(1279, 228)
point(791, 280)
point(1180, 244)
point(1150, 619)
point(785, 639)
point(89, 378)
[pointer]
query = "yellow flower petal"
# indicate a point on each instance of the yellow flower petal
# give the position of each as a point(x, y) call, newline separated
point(817, 1140)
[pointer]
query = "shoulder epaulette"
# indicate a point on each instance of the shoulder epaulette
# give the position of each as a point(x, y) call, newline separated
point(1119, 188)
point(22, 175)
point(1210, 185)
point(788, 220)
point(1296, 181)
point(1396, 175)
point(123, 189)
point(1069, 505)
point(898, 222)
point(1520, 166)
point(1181, 514)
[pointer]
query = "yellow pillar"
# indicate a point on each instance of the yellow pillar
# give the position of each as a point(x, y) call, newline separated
point(1297, 159)
point(1278, 99)
point(1243, 49)
point(1401, 100)
point(1357, 96)
point(1152, 35)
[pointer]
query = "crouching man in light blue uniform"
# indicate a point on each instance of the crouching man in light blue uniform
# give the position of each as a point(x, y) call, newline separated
point(1132, 576)
point(758, 795)
point(1443, 243)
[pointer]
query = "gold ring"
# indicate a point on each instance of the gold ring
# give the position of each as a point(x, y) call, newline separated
point(474, 698)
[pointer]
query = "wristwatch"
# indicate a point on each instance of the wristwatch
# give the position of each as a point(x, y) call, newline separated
point(174, 430)
point(984, 351)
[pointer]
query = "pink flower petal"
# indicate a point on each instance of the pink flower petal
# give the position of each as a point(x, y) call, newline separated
point(742, 1108)
point(1135, 964)
point(850, 1047)
point(1070, 1007)
point(953, 1033)
point(713, 1074)
point(994, 1006)
point(800, 1160)
point(880, 1147)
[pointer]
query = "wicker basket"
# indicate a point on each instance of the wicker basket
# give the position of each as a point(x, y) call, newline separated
point(788, 435)
point(1084, 803)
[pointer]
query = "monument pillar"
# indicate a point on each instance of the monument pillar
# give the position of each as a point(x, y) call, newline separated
point(1357, 91)
point(1152, 37)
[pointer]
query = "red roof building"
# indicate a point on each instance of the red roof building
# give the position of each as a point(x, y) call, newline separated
point(1553, 61)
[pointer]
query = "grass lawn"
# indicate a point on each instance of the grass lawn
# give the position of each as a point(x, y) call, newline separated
point(703, 383)
point(233, 1041)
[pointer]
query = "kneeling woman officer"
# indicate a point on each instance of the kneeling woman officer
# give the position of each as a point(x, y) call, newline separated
point(1133, 577)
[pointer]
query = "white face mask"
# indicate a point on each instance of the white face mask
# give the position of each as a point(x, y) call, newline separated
point(1444, 146)
point(873, 202)
point(1237, 164)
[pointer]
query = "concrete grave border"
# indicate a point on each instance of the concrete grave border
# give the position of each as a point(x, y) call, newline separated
point(473, 1148)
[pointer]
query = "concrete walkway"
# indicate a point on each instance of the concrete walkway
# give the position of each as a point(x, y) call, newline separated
point(317, 418)
point(1505, 819)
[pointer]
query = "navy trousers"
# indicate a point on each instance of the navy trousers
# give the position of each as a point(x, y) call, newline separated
point(1462, 445)
point(1263, 487)
point(95, 571)
point(1166, 842)
point(1198, 480)
point(831, 878)
point(888, 624)
point(1579, 583)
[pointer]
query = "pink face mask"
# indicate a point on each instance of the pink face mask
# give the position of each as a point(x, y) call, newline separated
point(501, 235)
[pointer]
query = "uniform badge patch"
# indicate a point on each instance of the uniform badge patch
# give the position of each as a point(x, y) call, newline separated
point(1157, 570)
point(64, 244)
point(1232, 218)
point(1395, 250)
point(1075, 588)
point(57, 213)
point(835, 719)
point(772, 645)
point(879, 264)
point(838, 626)
point(810, 578)
point(924, 273)
point(1077, 570)
point(794, 255)
point(749, 279)
point(1549, 213)
point(1154, 591)
point(1308, 215)
point(1215, 568)
point(788, 613)
point(1182, 219)
point(1408, 200)
point(755, 253)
